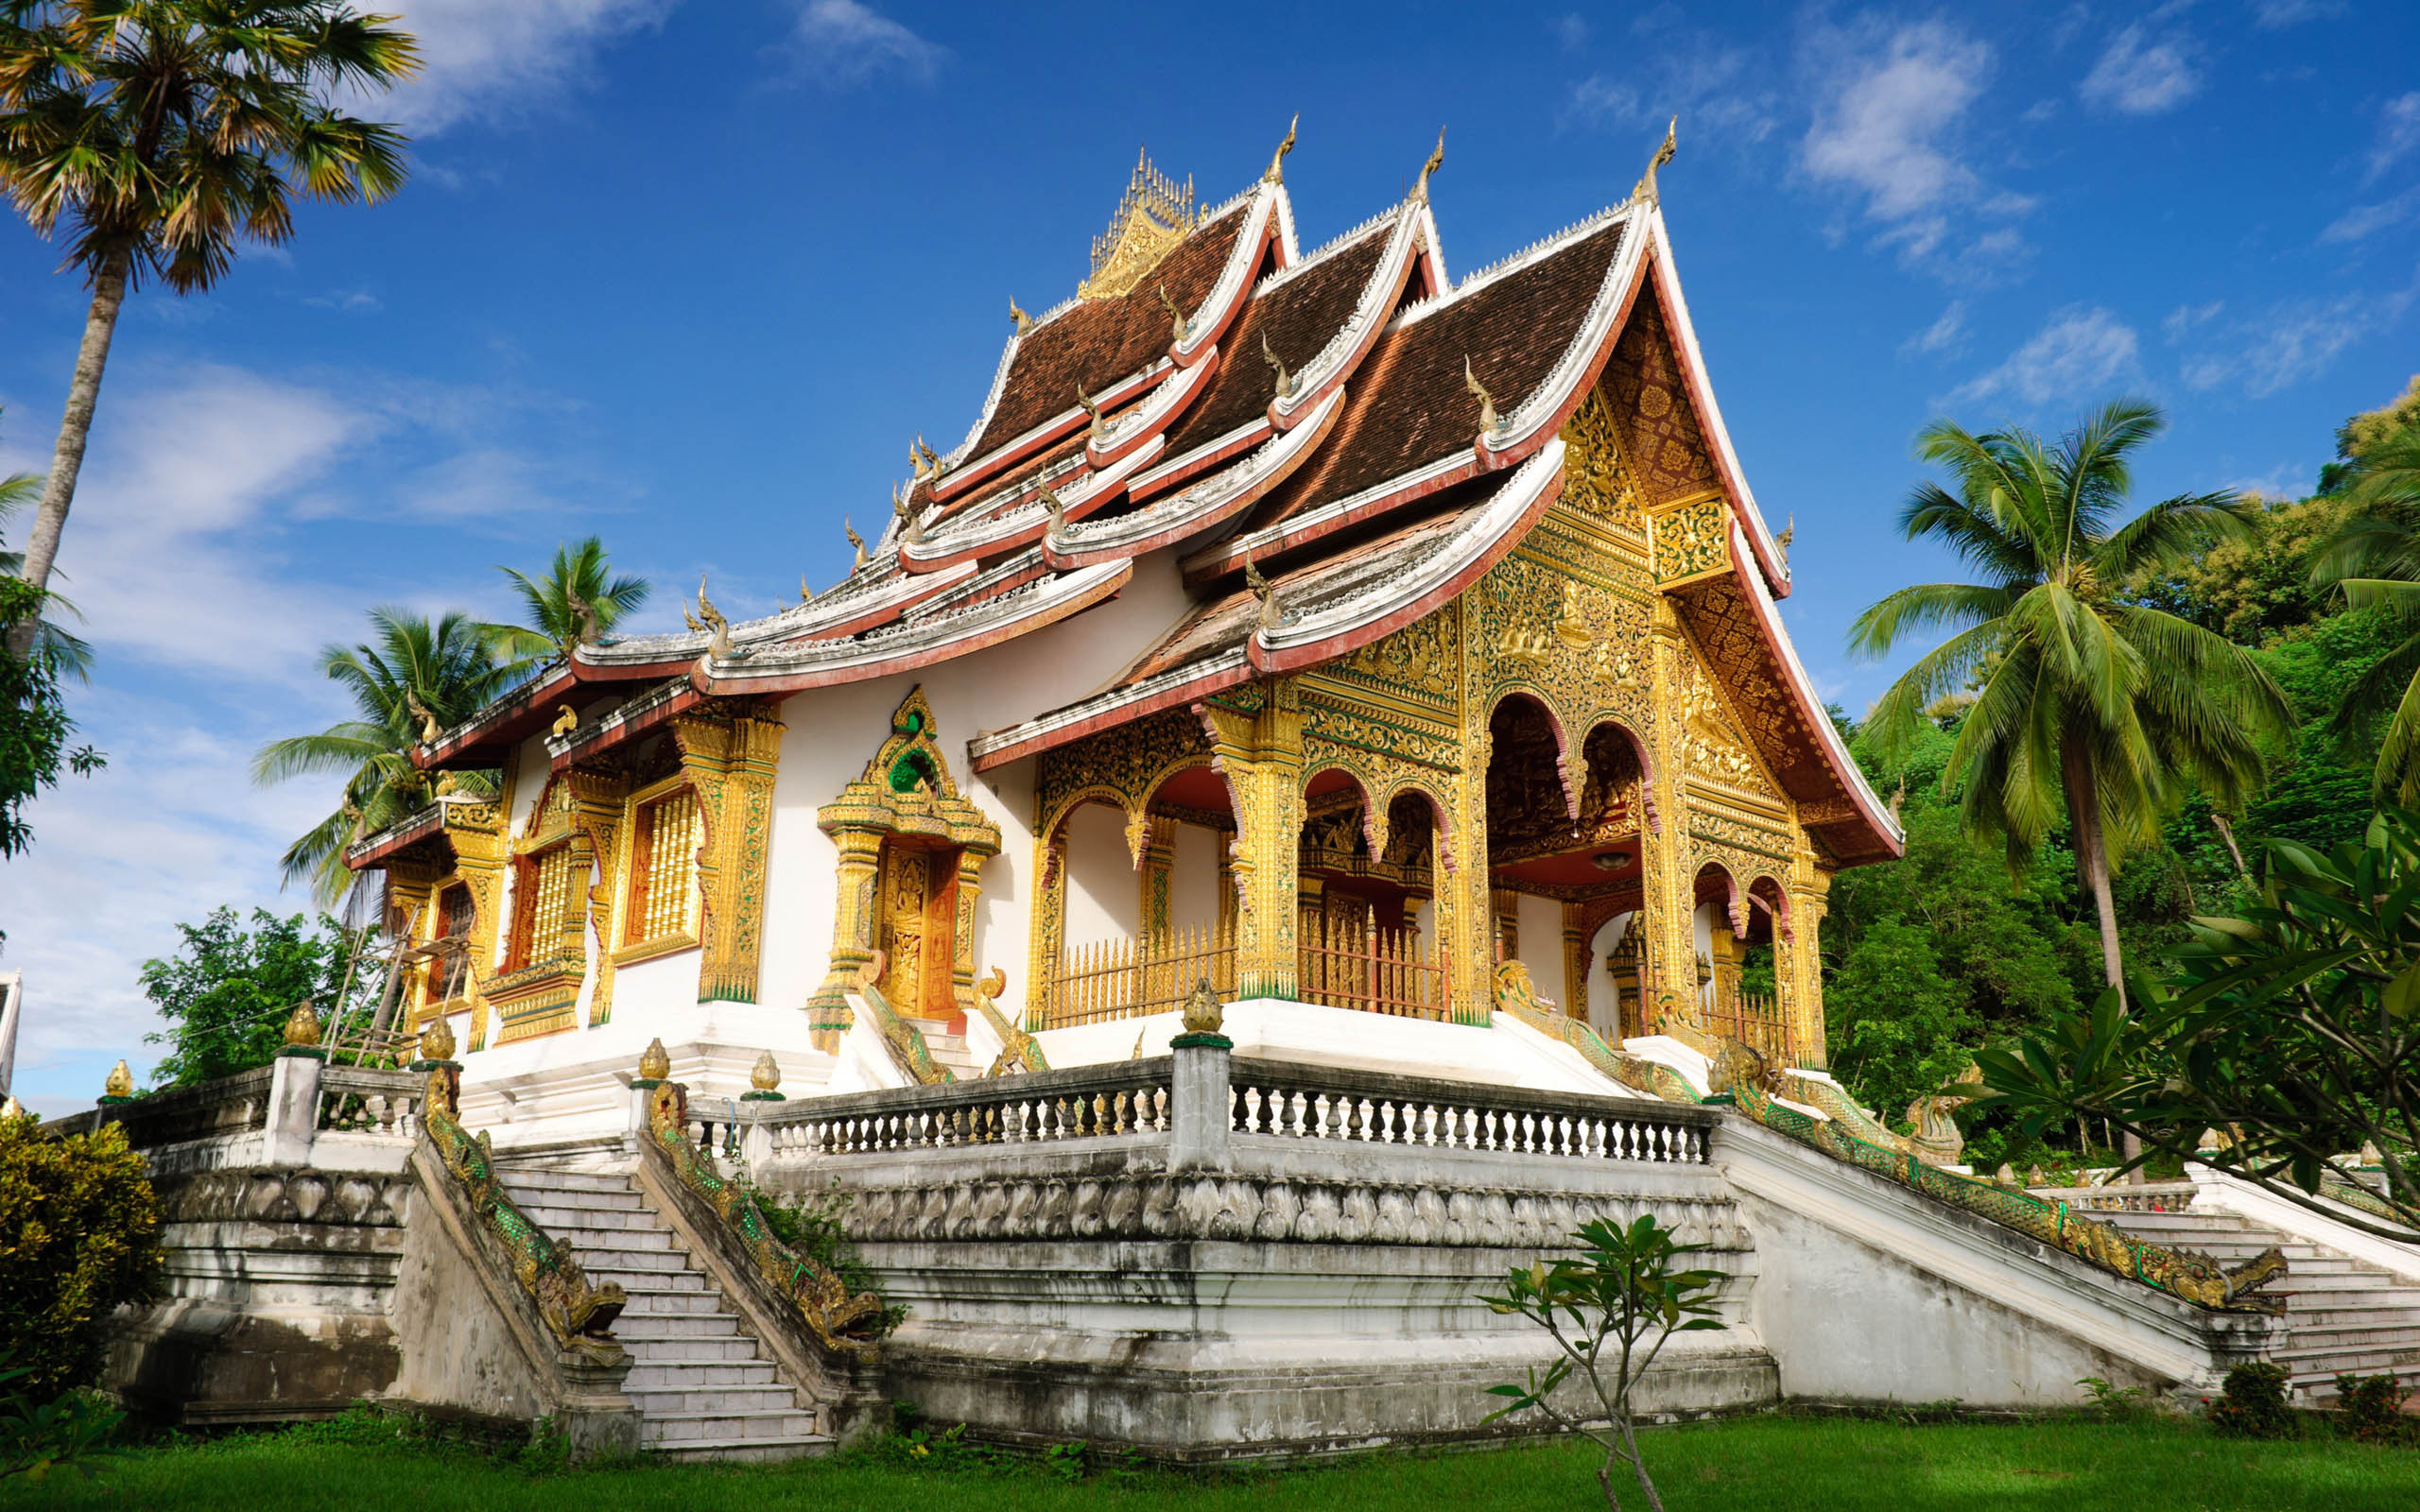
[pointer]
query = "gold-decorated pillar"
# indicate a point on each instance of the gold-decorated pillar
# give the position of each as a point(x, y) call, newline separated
point(1668, 892)
point(597, 813)
point(860, 861)
point(730, 759)
point(1799, 964)
point(1260, 754)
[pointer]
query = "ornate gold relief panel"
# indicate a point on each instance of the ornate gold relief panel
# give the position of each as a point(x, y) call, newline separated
point(1578, 644)
point(1692, 540)
point(1120, 767)
point(1597, 481)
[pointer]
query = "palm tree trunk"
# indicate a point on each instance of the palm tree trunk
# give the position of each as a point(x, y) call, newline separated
point(2092, 866)
point(75, 429)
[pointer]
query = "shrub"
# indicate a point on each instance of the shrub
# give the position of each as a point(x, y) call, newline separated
point(78, 1236)
point(2254, 1403)
point(815, 1226)
point(69, 1433)
point(2373, 1408)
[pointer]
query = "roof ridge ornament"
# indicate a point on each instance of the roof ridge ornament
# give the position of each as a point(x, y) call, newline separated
point(719, 648)
point(1286, 382)
point(1092, 408)
point(1179, 326)
point(1023, 321)
point(856, 544)
point(1273, 613)
point(1154, 215)
point(1489, 421)
point(1276, 172)
point(1645, 190)
point(1436, 160)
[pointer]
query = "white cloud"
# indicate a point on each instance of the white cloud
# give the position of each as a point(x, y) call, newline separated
point(2368, 220)
point(1710, 87)
point(2273, 15)
point(2080, 351)
point(842, 42)
point(2181, 320)
point(481, 60)
point(2140, 77)
point(1947, 336)
point(2398, 133)
point(2292, 343)
point(1891, 103)
point(1571, 32)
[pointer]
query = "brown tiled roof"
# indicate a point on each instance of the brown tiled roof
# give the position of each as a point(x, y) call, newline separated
point(1298, 317)
point(1097, 342)
point(1408, 404)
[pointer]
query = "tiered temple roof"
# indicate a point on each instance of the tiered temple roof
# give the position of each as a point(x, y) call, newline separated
point(1345, 428)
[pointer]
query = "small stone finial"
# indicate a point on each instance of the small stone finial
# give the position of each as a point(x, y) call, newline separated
point(655, 1062)
point(1276, 172)
point(2037, 1177)
point(1644, 191)
point(2007, 1176)
point(120, 1082)
point(1436, 160)
point(1203, 1013)
point(766, 1076)
point(303, 1027)
point(436, 1041)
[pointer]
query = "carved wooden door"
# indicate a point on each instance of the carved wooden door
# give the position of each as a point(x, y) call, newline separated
point(906, 894)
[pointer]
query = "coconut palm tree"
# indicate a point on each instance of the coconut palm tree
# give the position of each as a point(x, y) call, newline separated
point(2376, 560)
point(410, 678)
point(166, 132)
point(574, 603)
point(2083, 702)
point(67, 652)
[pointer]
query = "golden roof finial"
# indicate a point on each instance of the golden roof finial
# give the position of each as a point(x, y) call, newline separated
point(1272, 614)
point(1058, 507)
point(1646, 186)
point(856, 544)
point(1092, 408)
point(712, 622)
point(566, 720)
point(1023, 321)
point(1488, 423)
point(1269, 355)
point(1179, 327)
point(120, 1082)
point(1276, 172)
point(1152, 219)
point(1436, 160)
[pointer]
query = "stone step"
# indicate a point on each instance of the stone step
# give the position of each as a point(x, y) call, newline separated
point(656, 1302)
point(620, 1194)
point(2401, 1334)
point(690, 1372)
point(744, 1450)
point(2372, 1288)
point(609, 1242)
point(668, 1429)
point(534, 1178)
point(2365, 1359)
point(548, 1211)
point(728, 1348)
point(743, 1400)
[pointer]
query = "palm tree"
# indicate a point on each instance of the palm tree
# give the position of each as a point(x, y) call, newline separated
point(412, 679)
point(67, 652)
point(2082, 700)
point(165, 130)
point(2376, 560)
point(573, 605)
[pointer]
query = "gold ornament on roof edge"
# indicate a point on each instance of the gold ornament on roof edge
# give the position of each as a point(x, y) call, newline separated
point(120, 1082)
point(1203, 1013)
point(655, 1062)
point(1436, 160)
point(436, 1041)
point(1276, 172)
point(766, 1074)
point(303, 1027)
point(1645, 190)
point(1151, 220)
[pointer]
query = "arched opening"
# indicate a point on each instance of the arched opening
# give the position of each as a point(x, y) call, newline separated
point(1736, 932)
point(1146, 901)
point(1366, 890)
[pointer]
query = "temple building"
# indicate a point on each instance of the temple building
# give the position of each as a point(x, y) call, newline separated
point(1314, 622)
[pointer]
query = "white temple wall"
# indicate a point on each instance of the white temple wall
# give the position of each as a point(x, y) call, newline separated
point(1192, 878)
point(1539, 921)
point(647, 989)
point(1604, 999)
point(1104, 891)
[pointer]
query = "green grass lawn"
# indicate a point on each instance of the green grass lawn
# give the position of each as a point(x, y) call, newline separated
point(1788, 1464)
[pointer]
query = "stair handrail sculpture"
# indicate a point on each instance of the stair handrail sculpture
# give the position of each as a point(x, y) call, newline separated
point(1020, 1051)
point(580, 1313)
point(846, 1322)
point(1517, 995)
point(1743, 1076)
point(905, 1043)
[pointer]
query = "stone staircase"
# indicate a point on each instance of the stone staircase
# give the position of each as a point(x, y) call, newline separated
point(703, 1387)
point(2342, 1315)
point(949, 1051)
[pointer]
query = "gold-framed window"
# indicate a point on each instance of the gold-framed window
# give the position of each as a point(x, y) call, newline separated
point(660, 901)
point(449, 972)
point(550, 901)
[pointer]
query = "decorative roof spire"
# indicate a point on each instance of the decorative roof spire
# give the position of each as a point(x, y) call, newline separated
point(1436, 160)
point(1286, 383)
point(1488, 421)
point(1023, 321)
point(1152, 218)
point(856, 544)
point(1646, 186)
point(1276, 172)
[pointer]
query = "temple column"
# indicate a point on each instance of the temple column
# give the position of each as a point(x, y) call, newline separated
point(1261, 757)
point(860, 859)
point(963, 897)
point(1575, 961)
point(1465, 913)
point(731, 762)
point(479, 859)
point(1727, 956)
point(1159, 864)
point(1668, 893)
point(596, 813)
point(1800, 973)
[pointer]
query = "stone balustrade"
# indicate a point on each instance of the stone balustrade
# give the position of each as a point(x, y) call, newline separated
point(298, 1111)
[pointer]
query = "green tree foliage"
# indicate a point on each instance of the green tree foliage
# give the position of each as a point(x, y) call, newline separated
point(2295, 1025)
point(164, 134)
point(577, 600)
point(2085, 704)
point(2249, 588)
point(78, 1237)
point(412, 679)
point(227, 992)
point(2375, 560)
point(36, 732)
point(69, 654)
point(1623, 1290)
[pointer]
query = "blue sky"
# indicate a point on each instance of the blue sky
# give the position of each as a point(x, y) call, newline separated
point(692, 275)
